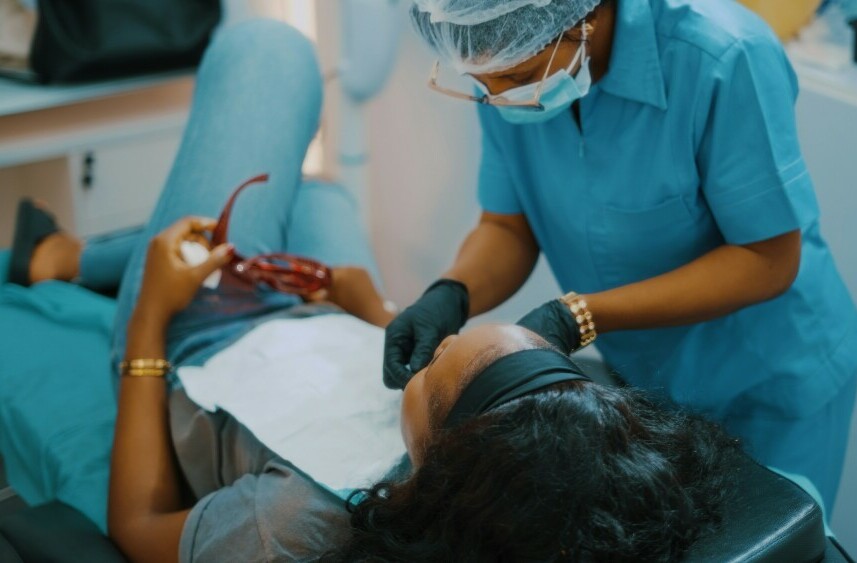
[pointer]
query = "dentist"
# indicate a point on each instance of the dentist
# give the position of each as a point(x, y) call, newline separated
point(648, 148)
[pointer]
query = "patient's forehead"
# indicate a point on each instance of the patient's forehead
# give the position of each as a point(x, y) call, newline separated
point(465, 357)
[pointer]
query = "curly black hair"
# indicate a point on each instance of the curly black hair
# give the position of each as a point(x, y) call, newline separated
point(577, 472)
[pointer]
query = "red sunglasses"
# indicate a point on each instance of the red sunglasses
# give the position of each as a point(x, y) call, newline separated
point(283, 272)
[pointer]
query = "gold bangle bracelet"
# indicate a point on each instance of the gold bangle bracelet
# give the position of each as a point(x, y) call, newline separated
point(583, 317)
point(144, 372)
point(145, 367)
point(145, 363)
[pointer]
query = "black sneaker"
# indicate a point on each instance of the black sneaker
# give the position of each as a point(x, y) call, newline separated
point(32, 226)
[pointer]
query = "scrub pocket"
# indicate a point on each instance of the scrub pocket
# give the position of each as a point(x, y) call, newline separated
point(630, 245)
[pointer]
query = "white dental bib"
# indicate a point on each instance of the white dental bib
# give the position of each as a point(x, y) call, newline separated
point(311, 391)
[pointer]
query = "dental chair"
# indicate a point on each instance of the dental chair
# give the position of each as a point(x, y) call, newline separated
point(768, 519)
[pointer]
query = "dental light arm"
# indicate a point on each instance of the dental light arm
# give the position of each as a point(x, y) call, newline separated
point(370, 39)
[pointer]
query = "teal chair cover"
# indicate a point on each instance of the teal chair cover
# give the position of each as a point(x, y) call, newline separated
point(57, 404)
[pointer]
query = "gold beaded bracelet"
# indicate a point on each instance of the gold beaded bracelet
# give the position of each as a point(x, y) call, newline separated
point(583, 316)
point(145, 368)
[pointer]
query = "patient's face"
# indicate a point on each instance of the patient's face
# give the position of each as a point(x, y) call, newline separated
point(432, 392)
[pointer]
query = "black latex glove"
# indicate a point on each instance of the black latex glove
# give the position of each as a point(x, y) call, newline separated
point(413, 336)
point(554, 322)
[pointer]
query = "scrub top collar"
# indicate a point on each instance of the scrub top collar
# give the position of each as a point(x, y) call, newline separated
point(635, 69)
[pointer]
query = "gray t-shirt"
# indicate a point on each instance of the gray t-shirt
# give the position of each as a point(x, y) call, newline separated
point(254, 505)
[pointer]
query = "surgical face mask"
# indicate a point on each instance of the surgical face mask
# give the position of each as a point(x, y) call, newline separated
point(559, 91)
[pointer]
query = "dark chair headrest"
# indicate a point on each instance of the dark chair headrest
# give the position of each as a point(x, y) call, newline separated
point(8, 554)
point(57, 532)
point(767, 518)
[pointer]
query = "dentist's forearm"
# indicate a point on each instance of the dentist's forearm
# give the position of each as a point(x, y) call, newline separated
point(495, 260)
point(716, 284)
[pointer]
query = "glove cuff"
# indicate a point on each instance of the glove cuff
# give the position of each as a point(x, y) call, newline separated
point(459, 290)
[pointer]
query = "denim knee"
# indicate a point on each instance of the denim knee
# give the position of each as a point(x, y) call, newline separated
point(332, 192)
point(263, 51)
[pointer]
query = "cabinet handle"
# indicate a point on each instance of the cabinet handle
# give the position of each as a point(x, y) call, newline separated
point(88, 177)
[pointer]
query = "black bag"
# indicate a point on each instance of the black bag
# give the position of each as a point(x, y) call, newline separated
point(82, 40)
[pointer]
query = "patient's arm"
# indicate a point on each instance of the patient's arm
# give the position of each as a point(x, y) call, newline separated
point(354, 291)
point(145, 513)
point(145, 509)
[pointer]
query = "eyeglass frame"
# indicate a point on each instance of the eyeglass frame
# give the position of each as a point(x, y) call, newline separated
point(497, 100)
point(286, 273)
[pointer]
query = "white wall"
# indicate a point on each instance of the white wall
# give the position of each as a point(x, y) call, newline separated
point(828, 131)
point(425, 151)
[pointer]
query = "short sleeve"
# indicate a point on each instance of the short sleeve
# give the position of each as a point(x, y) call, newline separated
point(496, 188)
point(277, 515)
point(753, 174)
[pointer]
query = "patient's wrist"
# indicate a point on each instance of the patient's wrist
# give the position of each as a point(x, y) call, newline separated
point(149, 309)
point(383, 315)
point(146, 334)
point(373, 311)
point(149, 319)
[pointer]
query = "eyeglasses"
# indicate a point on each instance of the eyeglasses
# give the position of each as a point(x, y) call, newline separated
point(286, 273)
point(498, 99)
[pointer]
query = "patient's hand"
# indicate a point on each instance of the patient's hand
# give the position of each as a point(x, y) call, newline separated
point(169, 283)
point(353, 290)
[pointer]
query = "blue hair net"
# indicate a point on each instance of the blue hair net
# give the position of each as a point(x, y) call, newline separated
point(483, 36)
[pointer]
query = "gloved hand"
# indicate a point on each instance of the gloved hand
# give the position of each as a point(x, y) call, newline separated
point(553, 322)
point(413, 336)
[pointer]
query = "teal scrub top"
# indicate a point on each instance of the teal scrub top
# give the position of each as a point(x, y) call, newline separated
point(688, 143)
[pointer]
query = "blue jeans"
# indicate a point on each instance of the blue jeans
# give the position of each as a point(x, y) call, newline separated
point(255, 110)
point(105, 258)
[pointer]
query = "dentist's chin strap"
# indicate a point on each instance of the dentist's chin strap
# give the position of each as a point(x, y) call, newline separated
point(511, 377)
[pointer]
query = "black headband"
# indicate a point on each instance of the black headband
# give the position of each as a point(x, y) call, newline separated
point(511, 377)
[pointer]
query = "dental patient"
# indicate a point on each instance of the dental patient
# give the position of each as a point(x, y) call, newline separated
point(512, 452)
point(516, 456)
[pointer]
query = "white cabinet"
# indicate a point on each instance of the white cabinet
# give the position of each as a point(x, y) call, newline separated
point(98, 155)
point(117, 186)
point(92, 191)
